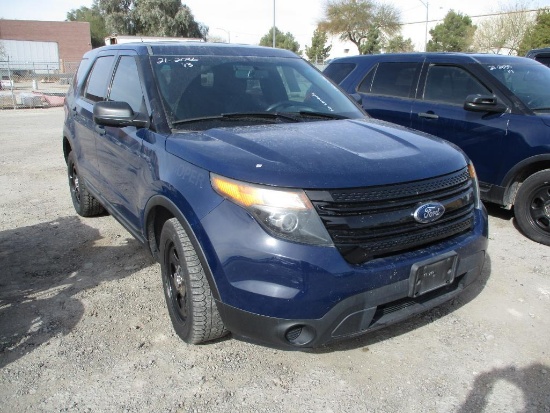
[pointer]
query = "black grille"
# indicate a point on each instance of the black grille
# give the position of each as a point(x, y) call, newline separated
point(374, 222)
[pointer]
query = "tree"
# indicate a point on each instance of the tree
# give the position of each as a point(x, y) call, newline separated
point(504, 32)
point(92, 15)
point(151, 18)
point(360, 21)
point(538, 35)
point(455, 34)
point(166, 18)
point(373, 42)
point(118, 16)
point(318, 52)
point(282, 40)
point(398, 44)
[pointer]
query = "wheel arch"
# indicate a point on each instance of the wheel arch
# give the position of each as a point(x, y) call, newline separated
point(160, 209)
point(67, 148)
point(521, 171)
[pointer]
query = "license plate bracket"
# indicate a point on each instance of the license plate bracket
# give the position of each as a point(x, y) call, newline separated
point(432, 274)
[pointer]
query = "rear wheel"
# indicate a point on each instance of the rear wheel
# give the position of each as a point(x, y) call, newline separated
point(84, 203)
point(532, 207)
point(191, 305)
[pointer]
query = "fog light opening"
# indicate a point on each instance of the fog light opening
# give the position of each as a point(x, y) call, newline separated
point(300, 335)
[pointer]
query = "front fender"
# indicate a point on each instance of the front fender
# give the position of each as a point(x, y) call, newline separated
point(161, 208)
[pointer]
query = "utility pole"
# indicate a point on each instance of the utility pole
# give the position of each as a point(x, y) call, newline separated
point(273, 23)
point(426, 31)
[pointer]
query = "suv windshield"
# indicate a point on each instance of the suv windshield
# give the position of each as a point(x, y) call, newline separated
point(211, 87)
point(528, 81)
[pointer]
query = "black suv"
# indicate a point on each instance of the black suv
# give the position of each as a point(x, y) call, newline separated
point(496, 108)
point(540, 55)
point(277, 210)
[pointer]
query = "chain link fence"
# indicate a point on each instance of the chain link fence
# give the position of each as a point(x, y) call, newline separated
point(34, 84)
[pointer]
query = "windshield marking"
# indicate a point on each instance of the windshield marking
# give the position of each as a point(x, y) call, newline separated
point(185, 61)
point(314, 95)
point(507, 68)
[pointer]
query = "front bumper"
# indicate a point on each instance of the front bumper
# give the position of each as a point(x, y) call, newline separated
point(290, 295)
point(352, 316)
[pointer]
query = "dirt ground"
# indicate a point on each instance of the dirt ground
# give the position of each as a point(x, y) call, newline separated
point(84, 328)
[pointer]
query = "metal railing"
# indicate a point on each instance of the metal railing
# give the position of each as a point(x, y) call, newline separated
point(34, 84)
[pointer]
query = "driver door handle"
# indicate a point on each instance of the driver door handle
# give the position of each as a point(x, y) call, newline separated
point(428, 115)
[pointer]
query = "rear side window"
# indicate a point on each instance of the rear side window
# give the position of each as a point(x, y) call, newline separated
point(126, 86)
point(96, 87)
point(84, 64)
point(339, 71)
point(390, 79)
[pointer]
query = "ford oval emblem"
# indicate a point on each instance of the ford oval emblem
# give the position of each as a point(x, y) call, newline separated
point(429, 212)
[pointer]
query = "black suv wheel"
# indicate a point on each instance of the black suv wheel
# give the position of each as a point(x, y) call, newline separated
point(190, 303)
point(532, 207)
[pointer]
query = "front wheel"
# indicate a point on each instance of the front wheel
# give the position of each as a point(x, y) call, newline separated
point(532, 207)
point(191, 305)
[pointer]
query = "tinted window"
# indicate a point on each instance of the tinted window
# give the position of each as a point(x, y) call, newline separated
point(126, 85)
point(393, 79)
point(452, 85)
point(84, 64)
point(96, 87)
point(366, 83)
point(544, 59)
point(338, 71)
point(210, 86)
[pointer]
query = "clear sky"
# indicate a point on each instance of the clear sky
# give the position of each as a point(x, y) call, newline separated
point(246, 21)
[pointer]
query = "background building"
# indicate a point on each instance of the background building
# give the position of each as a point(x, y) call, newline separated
point(55, 43)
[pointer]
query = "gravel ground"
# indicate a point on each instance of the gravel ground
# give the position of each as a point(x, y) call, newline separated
point(84, 328)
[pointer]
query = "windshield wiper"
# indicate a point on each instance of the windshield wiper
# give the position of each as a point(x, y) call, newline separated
point(238, 115)
point(289, 116)
point(265, 115)
point(201, 119)
point(323, 115)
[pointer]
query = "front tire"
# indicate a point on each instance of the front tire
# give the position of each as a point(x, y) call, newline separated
point(191, 305)
point(532, 207)
point(84, 203)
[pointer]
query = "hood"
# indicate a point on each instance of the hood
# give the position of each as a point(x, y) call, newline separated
point(313, 155)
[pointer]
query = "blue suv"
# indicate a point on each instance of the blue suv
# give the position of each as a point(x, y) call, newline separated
point(496, 108)
point(276, 209)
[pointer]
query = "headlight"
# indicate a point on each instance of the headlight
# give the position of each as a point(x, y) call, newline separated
point(477, 195)
point(284, 213)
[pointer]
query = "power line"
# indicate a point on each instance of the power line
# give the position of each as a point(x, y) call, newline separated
point(479, 15)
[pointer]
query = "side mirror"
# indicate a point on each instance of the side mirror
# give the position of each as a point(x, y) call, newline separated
point(484, 103)
point(119, 114)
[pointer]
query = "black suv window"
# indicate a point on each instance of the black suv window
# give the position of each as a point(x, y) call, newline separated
point(391, 79)
point(338, 71)
point(96, 87)
point(544, 59)
point(451, 84)
point(126, 85)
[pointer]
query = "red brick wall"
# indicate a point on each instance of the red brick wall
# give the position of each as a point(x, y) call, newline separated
point(73, 38)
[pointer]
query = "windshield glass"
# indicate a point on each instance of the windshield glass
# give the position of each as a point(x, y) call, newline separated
point(207, 87)
point(528, 81)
